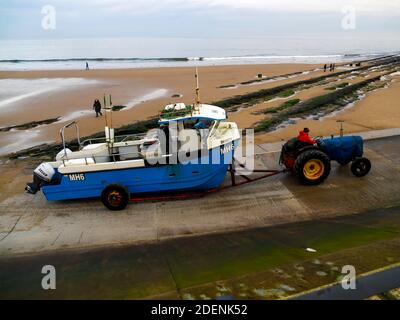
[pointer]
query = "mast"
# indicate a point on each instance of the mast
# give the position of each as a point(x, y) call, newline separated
point(109, 130)
point(341, 127)
point(197, 102)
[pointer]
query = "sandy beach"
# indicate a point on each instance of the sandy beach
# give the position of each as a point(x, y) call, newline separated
point(68, 95)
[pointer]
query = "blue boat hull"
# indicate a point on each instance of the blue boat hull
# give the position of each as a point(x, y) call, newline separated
point(195, 175)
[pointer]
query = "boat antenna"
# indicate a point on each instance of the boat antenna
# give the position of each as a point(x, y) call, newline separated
point(197, 103)
point(108, 107)
point(108, 117)
point(105, 109)
point(341, 127)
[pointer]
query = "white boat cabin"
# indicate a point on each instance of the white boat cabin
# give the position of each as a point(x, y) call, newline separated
point(188, 127)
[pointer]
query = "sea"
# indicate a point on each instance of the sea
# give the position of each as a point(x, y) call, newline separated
point(136, 52)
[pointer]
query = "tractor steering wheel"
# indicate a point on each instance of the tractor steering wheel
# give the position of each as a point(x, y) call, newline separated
point(319, 140)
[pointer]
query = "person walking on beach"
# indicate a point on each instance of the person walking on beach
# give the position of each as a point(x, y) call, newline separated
point(87, 65)
point(333, 67)
point(97, 107)
point(330, 67)
point(325, 66)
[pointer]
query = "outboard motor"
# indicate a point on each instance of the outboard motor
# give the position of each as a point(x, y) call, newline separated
point(42, 175)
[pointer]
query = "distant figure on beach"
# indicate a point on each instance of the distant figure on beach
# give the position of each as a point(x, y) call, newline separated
point(330, 67)
point(333, 67)
point(97, 107)
point(325, 66)
point(87, 65)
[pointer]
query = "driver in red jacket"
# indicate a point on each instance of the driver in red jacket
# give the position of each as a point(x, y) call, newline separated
point(304, 137)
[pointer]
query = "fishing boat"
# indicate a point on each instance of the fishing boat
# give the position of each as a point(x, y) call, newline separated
point(191, 150)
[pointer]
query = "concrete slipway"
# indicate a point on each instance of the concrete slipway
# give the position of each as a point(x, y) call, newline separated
point(29, 224)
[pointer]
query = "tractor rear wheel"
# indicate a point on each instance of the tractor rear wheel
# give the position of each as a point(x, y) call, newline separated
point(115, 197)
point(312, 167)
point(361, 167)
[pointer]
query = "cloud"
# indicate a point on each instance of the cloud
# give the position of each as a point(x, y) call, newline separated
point(305, 5)
point(202, 18)
point(138, 6)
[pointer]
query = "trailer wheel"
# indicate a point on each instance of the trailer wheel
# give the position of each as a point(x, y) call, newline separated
point(361, 167)
point(312, 167)
point(115, 197)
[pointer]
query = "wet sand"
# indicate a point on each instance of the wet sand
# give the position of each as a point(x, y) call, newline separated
point(40, 95)
point(145, 90)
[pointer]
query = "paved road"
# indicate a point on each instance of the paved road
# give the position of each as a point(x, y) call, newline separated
point(30, 224)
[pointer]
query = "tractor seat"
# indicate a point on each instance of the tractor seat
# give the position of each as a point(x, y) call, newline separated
point(293, 146)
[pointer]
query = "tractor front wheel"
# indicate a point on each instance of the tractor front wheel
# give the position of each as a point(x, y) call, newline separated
point(312, 167)
point(361, 167)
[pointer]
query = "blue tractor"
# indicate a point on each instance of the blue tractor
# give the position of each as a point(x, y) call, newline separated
point(312, 163)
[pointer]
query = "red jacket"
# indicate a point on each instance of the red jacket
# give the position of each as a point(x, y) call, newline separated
point(304, 137)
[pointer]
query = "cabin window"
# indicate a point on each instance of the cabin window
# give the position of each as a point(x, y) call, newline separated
point(201, 123)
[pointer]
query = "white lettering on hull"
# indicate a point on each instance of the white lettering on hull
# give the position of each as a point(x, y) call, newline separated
point(77, 177)
point(227, 148)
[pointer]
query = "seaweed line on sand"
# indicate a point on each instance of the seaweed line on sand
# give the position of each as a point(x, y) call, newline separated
point(322, 105)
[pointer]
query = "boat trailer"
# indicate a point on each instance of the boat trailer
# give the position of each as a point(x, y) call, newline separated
point(196, 194)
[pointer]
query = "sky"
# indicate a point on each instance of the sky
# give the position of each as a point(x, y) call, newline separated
point(22, 19)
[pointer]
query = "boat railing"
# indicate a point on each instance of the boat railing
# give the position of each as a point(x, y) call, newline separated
point(121, 138)
point(115, 157)
point(62, 134)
